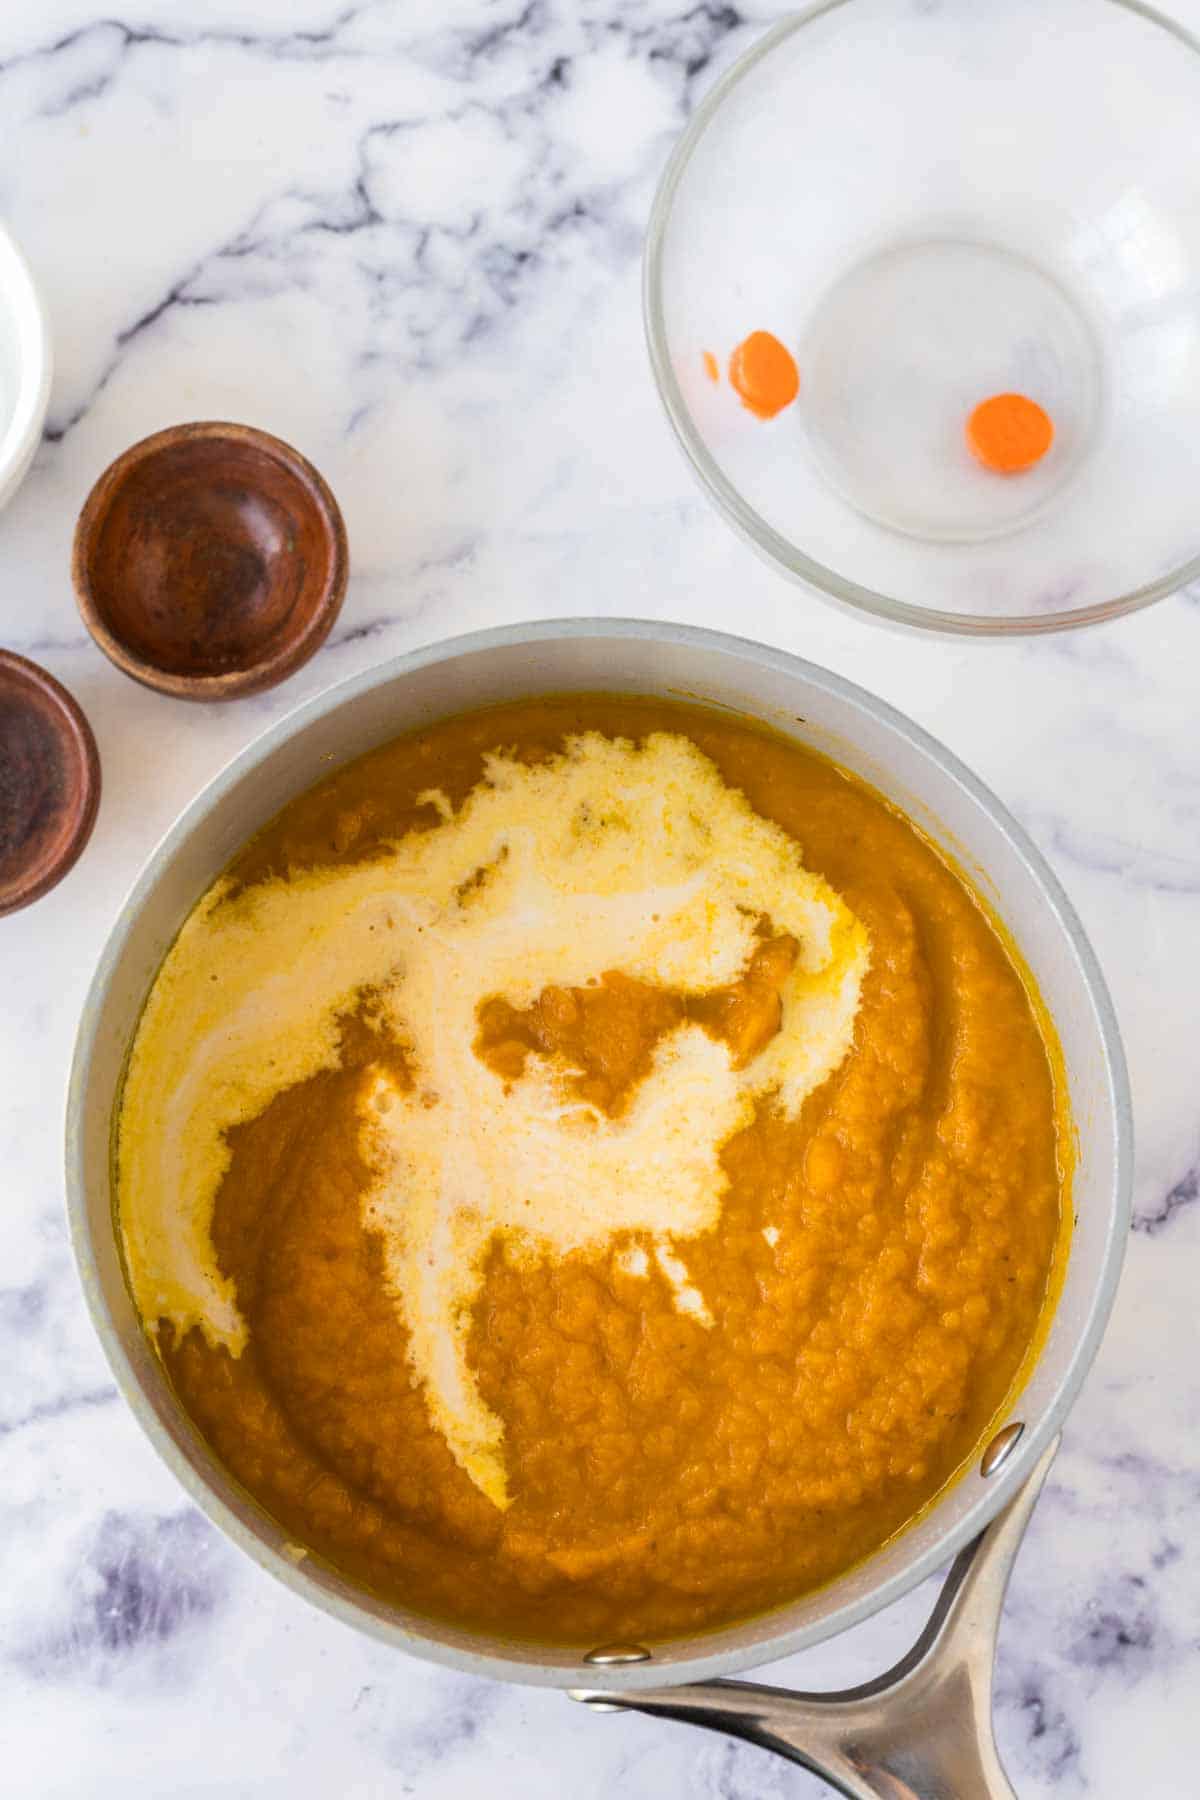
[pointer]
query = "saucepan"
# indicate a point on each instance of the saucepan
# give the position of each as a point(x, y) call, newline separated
point(944, 1681)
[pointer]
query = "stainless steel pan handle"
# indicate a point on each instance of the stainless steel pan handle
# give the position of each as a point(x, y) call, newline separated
point(922, 1730)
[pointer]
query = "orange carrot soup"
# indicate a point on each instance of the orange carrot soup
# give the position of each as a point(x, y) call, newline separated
point(763, 373)
point(1009, 433)
point(592, 1170)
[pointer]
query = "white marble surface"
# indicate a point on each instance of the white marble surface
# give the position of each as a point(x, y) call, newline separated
point(406, 236)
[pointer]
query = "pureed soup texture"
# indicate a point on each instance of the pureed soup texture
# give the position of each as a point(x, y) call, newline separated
point(592, 1170)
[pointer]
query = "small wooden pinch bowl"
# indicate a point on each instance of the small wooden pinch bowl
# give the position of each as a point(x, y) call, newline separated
point(210, 561)
point(49, 782)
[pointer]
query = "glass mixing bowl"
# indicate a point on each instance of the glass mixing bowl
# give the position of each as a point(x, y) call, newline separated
point(928, 202)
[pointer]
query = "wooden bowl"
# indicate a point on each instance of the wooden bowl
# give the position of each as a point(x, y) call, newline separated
point(210, 561)
point(49, 782)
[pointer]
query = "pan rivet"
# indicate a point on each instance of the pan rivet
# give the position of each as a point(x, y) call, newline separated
point(1001, 1448)
point(609, 1655)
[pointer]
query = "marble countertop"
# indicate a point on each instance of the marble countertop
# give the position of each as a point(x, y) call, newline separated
point(405, 235)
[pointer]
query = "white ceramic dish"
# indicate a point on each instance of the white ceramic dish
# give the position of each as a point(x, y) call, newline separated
point(25, 367)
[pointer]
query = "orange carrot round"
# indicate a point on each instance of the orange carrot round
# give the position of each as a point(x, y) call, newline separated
point(763, 372)
point(1009, 433)
point(710, 366)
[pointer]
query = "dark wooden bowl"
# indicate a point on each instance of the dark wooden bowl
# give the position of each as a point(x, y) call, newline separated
point(210, 561)
point(49, 782)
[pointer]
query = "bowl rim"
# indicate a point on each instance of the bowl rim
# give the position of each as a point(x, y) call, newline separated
point(773, 545)
point(267, 670)
point(21, 437)
point(73, 729)
point(660, 1670)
